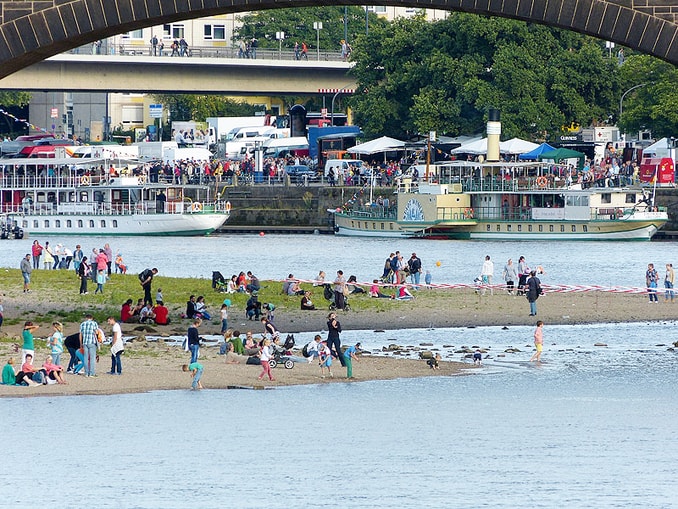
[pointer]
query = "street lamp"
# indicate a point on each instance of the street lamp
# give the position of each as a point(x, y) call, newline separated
point(621, 100)
point(317, 26)
point(340, 91)
point(280, 36)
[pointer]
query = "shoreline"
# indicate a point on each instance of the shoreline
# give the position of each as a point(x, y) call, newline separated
point(149, 366)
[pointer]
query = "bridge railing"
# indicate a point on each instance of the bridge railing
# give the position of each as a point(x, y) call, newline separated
point(208, 52)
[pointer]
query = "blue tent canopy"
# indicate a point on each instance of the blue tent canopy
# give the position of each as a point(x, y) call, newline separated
point(534, 154)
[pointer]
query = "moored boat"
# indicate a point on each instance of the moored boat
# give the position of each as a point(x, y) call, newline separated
point(67, 197)
point(506, 201)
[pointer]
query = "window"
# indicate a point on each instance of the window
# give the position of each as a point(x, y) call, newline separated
point(488, 227)
point(585, 228)
point(562, 228)
point(79, 223)
point(529, 227)
point(91, 223)
point(215, 33)
point(133, 114)
point(574, 228)
point(508, 227)
point(174, 31)
point(520, 227)
point(103, 223)
point(115, 223)
point(57, 223)
point(541, 227)
point(630, 198)
point(24, 224)
point(605, 197)
point(46, 223)
point(35, 224)
point(69, 223)
point(134, 34)
point(498, 227)
point(550, 227)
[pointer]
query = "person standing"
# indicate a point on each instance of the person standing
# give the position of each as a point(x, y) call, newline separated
point(668, 282)
point(339, 286)
point(90, 344)
point(36, 251)
point(83, 273)
point(333, 339)
point(523, 272)
point(26, 270)
point(154, 45)
point(265, 357)
point(78, 255)
point(117, 347)
point(510, 276)
point(349, 357)
point(194, 340)
point(109, 257)
point(651, 278)
point(146, 281)
point(48, 258)
point(56, 342)
point(414, 266)
point(538, 341)
point(28, 342)
point(486, 274)
point(533, 292)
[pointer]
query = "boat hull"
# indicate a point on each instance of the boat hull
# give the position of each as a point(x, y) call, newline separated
point(622, 229)
point(125, 225)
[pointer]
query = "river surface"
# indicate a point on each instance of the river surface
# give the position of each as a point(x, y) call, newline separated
point(591, 427)
point(276, 256)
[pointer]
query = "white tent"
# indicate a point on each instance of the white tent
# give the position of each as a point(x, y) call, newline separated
point(516, 146)
point(474, 147)
point(382, 144)
point(658, 149)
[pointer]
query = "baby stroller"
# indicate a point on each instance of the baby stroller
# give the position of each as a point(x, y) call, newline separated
point(328, 293)
point(281, 353)
point(219, 284)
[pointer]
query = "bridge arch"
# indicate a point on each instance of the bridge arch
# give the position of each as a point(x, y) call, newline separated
point(32, 30)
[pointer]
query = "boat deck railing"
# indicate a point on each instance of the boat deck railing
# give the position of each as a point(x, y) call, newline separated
point(517, 214)
point(73, 180)
point(117, 209)
point(375, 212)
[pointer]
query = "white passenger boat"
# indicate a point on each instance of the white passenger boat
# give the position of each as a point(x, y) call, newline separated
point(67, 197)
point(506, 201)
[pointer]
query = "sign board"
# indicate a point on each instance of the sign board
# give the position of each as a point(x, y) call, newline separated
point(54, 113)
point(323, 112)
point(155, 110)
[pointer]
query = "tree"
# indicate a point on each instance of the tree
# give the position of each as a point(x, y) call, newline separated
point(297, 24)
point(415, 76)
point(654, 103)
point(15, 105)
point(199, 107)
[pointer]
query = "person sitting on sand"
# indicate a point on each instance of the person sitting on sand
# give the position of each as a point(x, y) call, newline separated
point(126, 315)
point(190, 307)
point(201, 308)
point(54, 371)
point(137, 309)
point(374, 291)
point(306, 303)
point(251, 347)
point(28, 372)
point(234, 358)
point(161, 314)
point(8, 374)
point(404, 293)
point(236, 341)
point(146, 315)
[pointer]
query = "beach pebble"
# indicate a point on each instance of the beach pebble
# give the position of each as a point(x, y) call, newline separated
point(425, 344)
point(511, 350)
point(600, 344)
point(425, 355)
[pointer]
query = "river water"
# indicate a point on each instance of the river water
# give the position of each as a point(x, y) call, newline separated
point(275, 256)
point(589, 427)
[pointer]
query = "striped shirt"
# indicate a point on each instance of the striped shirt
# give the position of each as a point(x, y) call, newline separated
point(88, 331)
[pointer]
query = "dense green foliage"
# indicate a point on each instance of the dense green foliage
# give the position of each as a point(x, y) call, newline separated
point(443, 76)
point(297, 24)
point(199, 107)
point(16, 104)
point(416, 76)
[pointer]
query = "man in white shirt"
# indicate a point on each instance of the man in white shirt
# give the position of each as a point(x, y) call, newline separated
point(486, 274)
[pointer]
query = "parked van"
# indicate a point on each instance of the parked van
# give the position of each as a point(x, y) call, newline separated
point(342, 166)
point(283, 147)
point(242, 133)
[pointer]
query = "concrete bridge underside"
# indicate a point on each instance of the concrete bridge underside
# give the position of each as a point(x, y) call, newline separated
point(88, 73)
point(33, 30)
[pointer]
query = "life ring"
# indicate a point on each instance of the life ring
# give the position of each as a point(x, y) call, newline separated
point(84, 180)
point(197, 207)
point(141, 179)
point(468, 213)
point(541, 181)
point(228, 206)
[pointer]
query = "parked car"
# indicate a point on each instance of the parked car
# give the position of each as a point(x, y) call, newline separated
point(300, 174)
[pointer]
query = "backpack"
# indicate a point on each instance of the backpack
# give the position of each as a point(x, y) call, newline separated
point(144, 275)
point(39, 377)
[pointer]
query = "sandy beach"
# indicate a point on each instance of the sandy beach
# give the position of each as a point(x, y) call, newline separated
point(156, 366)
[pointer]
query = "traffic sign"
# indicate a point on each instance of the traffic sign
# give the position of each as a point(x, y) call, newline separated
point(54, 113)
point(155, 110)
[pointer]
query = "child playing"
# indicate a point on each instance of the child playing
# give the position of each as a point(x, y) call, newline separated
point(325, 360)
point(224, 317)
point(196, 370)
point(264, 357)
point(538, 341)
point(478, 358)
point(27, 336)
point(427, 279)
point(101, 280)
point(158, 297)
point(56, 341)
